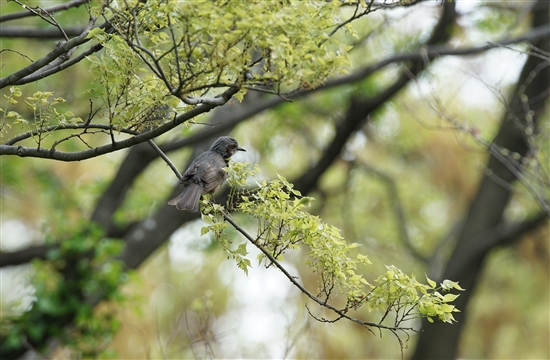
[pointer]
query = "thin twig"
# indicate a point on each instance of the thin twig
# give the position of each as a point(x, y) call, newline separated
point(165, 158)
point(17, 52)
point(50, 10)
point(301, 287)
point(397, 208)
point(38, 11)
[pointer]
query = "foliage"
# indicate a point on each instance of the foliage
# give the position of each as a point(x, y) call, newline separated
point(130, 96)
point(73, 277)
point(405, 295)
point(158, 58)
point(283, 224)
point(167, 53)
point(42, 105)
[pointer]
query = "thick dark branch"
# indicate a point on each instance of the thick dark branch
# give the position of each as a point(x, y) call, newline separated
point(23, 256)
point(55, 69)
point(436, 51)
point(87, 154)
point(39, 33)
point(500, 235)
point(53, 9)
point(59, 50)
point(487, 208)
point(30, 134)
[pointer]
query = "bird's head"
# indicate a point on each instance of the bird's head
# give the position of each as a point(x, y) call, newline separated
point(226, 146)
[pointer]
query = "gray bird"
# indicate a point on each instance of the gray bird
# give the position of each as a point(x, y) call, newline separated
point(205, 174)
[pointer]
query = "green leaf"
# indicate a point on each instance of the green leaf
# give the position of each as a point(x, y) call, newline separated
point(95, 32)
point(449, 297)
point(15, 91)
point(448, 285)
point(241, 249)
point(432, 283)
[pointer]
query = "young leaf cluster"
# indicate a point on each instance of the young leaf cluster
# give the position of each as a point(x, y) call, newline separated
point(410, 299)
point(195, 46)
point(42, 105)
point(213, 216)
point(130, 96)
point(284, 224)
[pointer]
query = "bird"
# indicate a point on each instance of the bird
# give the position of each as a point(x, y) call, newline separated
point(205, 174)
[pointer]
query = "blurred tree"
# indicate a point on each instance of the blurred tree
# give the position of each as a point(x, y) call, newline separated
point(346, 139)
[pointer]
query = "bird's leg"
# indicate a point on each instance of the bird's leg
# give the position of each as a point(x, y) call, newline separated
point(212, 200)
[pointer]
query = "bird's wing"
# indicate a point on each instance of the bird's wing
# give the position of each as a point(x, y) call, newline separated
point(212, 177)
point(191, 170)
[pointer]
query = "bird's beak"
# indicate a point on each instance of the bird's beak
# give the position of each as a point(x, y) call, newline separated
point(240, 149)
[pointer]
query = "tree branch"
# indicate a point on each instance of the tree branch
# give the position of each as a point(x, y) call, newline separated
point(23, 256)
point(87, 154)
point(30, 134)
point(436, 51)
point(38, 75)
point(59, 50)
point(501, 235)
point(53, 9)
point(397, 208)
point(487, 208)
point(39, 33)
point(165, 158)
point(294, 282)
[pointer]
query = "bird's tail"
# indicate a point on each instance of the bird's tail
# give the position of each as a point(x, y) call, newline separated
point(188, 199)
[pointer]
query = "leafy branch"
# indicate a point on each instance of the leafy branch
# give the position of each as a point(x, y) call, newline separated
point(284, 225)
point(115, 145)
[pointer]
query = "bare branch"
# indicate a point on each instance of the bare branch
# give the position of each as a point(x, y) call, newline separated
point(53, 9)
point(397, 208)
point(165, 158)
point(356, 15)
point(39, 33)
point(38, 75)
point(44, 15)
point(436, 51)
point(59, 50)
point(17, 52)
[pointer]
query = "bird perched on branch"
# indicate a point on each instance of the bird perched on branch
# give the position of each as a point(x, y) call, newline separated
point(205, 174)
